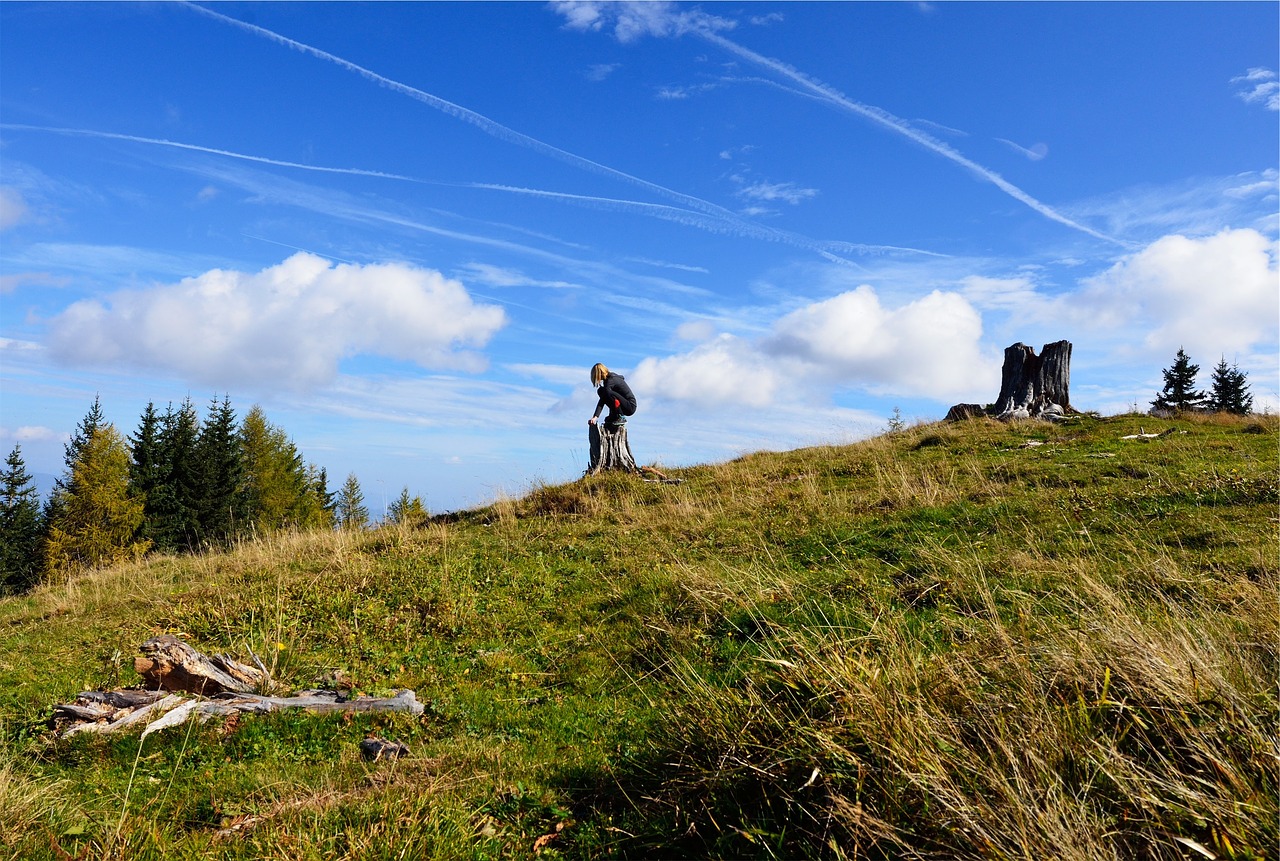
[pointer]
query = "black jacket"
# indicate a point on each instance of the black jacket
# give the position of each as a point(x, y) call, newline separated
point(616, 396)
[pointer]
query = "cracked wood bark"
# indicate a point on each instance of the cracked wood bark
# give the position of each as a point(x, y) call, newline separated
point(1032, 385)
point(172, 665)
point(610, 450)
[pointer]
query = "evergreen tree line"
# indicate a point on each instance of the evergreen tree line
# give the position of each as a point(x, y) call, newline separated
point(1229, 392)
point(178, 484)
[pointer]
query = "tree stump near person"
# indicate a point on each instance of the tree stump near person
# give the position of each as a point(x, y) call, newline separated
point(610, 450)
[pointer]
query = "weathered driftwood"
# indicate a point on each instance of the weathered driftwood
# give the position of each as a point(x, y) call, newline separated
point(221, 686)
point(323, 701)
point(1144, 435)
point(172, 665)
point(90, 714)
point(610, 450)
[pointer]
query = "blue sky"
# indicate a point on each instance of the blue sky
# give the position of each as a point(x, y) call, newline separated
point(406, 230)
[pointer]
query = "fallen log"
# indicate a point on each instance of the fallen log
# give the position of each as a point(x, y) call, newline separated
point(220, 685)
point(88, 715)
point(323, 702)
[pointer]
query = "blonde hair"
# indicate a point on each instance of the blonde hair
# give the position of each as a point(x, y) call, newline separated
point(598, 373)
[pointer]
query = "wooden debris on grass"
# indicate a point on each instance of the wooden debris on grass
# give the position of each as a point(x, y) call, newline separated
point(219, 685)
point(1144, 435)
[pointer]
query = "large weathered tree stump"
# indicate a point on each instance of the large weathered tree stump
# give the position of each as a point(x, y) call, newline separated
point(1031, 386)
point(610, 450)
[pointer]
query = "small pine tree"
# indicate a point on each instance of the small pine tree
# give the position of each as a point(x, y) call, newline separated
point(407, 510)
point(327, 501)
point(93, 420)
point(21, 526)
point(350, 511)
point(1230, 392)
point(1179, 392)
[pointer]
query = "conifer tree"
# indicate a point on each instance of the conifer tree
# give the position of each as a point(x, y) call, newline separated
point(93, 420)
point(316, 505)
point(171, 505)
point(89, 425)
point(97, 517)
point(1179, 392)
point(220, 501)
point(406, 509)
point(148, 470)
point(21, 526)
point(280, 489)
point(327, 501)
point(351, 512)
point(1230, 392)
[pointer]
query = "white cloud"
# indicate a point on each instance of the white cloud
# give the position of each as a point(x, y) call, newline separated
point(771, 191)
point(16, 346)
point(34, 433)
point(1264, 187)
point(723, 374)
point(929, 347)
point(631, 21)
point(696, 331)
point(1000, 293)
point(289, 325)
point(13, 207)
point(1193, 207)
point(1263, 87)
point(12, 282)
point(599, 71)
point(1212, 295)
point(499, 276)
point(564, 375)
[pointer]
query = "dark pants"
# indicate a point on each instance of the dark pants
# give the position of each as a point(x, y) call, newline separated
point(619, 403)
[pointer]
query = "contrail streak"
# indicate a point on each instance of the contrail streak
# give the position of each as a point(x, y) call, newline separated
point(727, 224)
point(510, 135)
point(353, 171)
point(480, 121)
point(900, 126)
point(712, 223)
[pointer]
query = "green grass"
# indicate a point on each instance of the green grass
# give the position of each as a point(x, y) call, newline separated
point(943, 642)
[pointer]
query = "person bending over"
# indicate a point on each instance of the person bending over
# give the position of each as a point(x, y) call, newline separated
point(615, 394)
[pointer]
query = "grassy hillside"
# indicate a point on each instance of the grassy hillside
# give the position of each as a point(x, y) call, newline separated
point(973, 641)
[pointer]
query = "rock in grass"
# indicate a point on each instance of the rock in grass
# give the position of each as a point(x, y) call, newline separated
point(375, 748)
